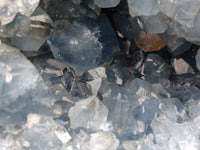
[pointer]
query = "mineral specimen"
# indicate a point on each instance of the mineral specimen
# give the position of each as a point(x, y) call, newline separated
point(84, 43)
point(21, 87)
point(89, 113)
point(99, 75)
point(106, 4)
point(10, 8)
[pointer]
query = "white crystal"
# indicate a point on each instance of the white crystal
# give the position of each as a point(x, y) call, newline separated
point(103, 141)
point(106, 3)
point(22, 89)
point(182, 136)
point(143, 7)
point(43, 134)
point(198, 59)
point(89, 113)
point(9, 8)
point(63, 136)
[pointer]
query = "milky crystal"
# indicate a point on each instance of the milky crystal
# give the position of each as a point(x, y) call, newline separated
point(147, 110)
point(89, 113)
point(154, 24)
point(190, 33)
point(106, 4)
point(181, 16)
point(184, 12)
point(192, 108)
point(41, 132)
point(103, 141)
point(127, 111)
point(21, 87)
point(7, 11)
point(197, 57)
point(37, 34)
point(173, 109)
point(70, 9)
point(84, 43)
point(143, 7)
point(20, 26)
point(9, 8)
point(182, 136)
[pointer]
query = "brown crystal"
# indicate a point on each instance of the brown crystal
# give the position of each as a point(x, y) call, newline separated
point(149, 43)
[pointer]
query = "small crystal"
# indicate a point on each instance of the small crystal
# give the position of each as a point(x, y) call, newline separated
point(89, 113)
point(103, 141)
point(106, 4)
point(143, 7)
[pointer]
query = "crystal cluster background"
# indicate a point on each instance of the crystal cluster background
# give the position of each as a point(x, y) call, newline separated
point(99, 74)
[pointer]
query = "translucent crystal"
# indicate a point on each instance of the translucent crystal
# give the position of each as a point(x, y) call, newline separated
point(27, 7)
point(121, 74)
point(106, 4)
point(125, 109)
point(37, 34)
point(197, 57)
point(70, 9)
point(21, 87)
point(20, 26)
point(84, 44)
point(182, 136)
point(156, 68)
point(172, 109)
point(192, 108)
point(154, 24)
point(190, 33)
point(89, 113)
point(103, 141)
point(10, 8)
point(184, 12)
point(147, 110)
point(35, 132)
point(143, 7)
point(7, 12)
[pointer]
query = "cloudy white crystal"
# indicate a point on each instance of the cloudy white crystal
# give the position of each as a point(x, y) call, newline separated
point(9, 8)
point(106, 3)
point(89, 113)
point(103, 141)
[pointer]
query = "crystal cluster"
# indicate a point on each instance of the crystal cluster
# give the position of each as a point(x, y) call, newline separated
point(99, 75)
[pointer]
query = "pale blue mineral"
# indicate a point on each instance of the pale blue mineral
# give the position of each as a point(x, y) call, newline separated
point(106, 3)
point(21, 88)
point(84, 43)
point(89, 113)
point(9, 8)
